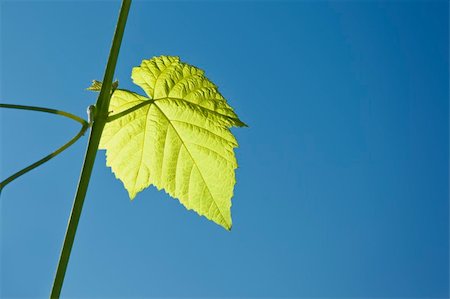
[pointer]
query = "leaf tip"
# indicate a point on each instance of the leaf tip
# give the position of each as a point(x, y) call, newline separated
point(227, 224)
point(132, 195)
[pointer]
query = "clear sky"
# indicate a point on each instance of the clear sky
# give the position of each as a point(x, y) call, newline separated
point(342, 185)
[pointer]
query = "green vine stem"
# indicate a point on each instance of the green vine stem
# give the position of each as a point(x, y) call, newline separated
point(129, 110)
point(101, 115)
point(84, 127)
point(47, 110)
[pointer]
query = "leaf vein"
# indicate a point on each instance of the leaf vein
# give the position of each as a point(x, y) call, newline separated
point(195, 163)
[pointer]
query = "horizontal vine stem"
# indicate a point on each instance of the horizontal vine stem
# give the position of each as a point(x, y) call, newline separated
point(47, 110)
point(84, 127)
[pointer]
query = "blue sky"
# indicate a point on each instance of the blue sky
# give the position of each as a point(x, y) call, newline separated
point(342, 185)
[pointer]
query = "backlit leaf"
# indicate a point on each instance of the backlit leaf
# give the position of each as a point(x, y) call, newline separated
point(176, 138)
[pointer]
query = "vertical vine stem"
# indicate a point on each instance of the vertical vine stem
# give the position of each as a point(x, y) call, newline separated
point(92, 148)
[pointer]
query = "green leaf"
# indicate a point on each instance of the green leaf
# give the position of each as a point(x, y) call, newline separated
point(97, 85)
point(177, 138)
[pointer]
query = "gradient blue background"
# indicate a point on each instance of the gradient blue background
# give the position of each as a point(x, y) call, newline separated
point(343, 181)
